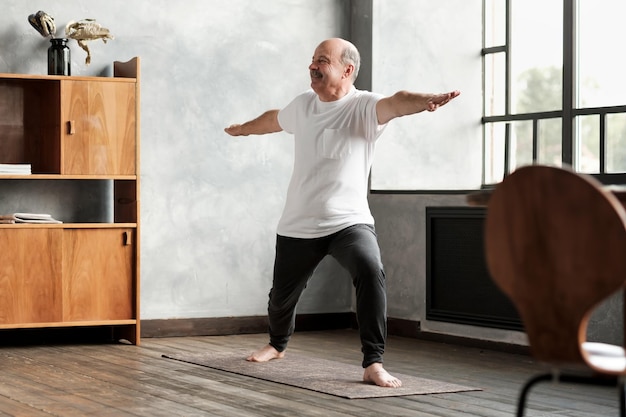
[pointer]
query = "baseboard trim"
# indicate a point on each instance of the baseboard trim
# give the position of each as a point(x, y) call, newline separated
point(217, 326)
point(221, 326)
point(403, 328)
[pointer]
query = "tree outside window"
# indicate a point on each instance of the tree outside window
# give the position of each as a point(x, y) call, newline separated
point(530, 48)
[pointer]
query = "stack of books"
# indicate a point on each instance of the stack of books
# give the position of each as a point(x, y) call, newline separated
point(27, 218)
point(15, 169)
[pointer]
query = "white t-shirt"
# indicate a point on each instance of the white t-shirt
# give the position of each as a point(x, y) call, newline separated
point(334, 151)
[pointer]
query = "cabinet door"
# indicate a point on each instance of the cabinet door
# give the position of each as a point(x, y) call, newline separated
point(98, 274)
point(99, 127)
point(30, 276)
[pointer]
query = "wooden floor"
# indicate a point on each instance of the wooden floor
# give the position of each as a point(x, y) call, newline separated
point(82, 379)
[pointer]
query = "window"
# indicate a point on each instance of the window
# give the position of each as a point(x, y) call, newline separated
point(429, 46)
point(553, 89)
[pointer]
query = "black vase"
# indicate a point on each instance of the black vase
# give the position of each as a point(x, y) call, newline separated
point(59, 57)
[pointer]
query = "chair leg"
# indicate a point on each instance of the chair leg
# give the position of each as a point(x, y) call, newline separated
point(521, 404)
point(622, 398)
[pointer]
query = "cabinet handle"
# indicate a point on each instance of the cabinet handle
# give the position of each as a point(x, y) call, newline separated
point(71, 127)
point(128, 238)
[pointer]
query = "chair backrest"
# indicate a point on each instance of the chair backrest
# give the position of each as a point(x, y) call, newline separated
point(556, 245)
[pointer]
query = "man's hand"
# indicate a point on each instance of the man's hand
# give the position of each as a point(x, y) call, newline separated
point(404, 103)
point(235, 130)
point(265, 123)
point(438, 100)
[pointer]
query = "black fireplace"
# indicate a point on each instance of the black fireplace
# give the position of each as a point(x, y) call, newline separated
point(458, 286)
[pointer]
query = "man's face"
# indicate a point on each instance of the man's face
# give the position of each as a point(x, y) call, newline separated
point(327, 72)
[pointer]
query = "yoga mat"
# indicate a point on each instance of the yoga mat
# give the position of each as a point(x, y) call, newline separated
point(321, 375)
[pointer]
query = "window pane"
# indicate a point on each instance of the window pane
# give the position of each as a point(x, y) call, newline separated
point(600, 58)
point(588, 145)
point(549, 142)
point(536, 55)
point(521, 144)
point(495, 23)
point(616, 142)
point(494, 152)
point(495, 85)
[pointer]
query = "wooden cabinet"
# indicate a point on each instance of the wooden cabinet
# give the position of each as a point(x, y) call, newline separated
point(30, 276)
point(76, 130)
point(96, 266)
point(98, 128)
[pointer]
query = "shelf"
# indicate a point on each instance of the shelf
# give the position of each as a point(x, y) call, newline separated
point(66, 177)
point(80, 136)
point(69, 324)
point(64, 77)
point(69, 225)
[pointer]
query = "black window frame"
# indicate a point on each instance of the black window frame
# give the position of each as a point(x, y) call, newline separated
point(568, 112)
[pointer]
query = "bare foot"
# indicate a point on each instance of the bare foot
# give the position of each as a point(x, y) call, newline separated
point(267, 353)
point(376, 374)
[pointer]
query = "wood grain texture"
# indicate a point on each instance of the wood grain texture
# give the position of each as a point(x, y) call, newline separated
point(98, 275)
point(77, 379)
point(99, 128)
point(73, 275)
point(30, 276)
point(11, 123)
point(555, 244)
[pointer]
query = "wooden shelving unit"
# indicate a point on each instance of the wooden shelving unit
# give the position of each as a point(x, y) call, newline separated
point(73, 274)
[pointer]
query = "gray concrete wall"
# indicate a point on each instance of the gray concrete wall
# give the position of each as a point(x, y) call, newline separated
point(210, 203)
point(430, 46)
point(401, 228)
point(428, 151)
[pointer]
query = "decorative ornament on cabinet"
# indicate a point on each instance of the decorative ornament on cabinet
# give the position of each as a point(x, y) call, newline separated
point(59, 53)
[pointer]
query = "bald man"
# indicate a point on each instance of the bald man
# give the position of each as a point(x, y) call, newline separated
point(335, 128)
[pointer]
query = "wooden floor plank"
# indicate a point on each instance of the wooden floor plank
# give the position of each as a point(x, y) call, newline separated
point(124, 371)
point(11, 407)
point(124, 380)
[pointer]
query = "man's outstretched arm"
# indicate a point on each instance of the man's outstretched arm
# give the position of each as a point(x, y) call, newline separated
point(265, 123)
point(404, 103)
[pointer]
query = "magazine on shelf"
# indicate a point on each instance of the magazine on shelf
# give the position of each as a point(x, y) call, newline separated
point(15, 169)
point(28, 218)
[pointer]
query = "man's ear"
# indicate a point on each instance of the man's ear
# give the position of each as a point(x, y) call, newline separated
point(348, 71)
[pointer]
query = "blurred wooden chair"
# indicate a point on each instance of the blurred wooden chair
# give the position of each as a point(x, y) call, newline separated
point(556, 245)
